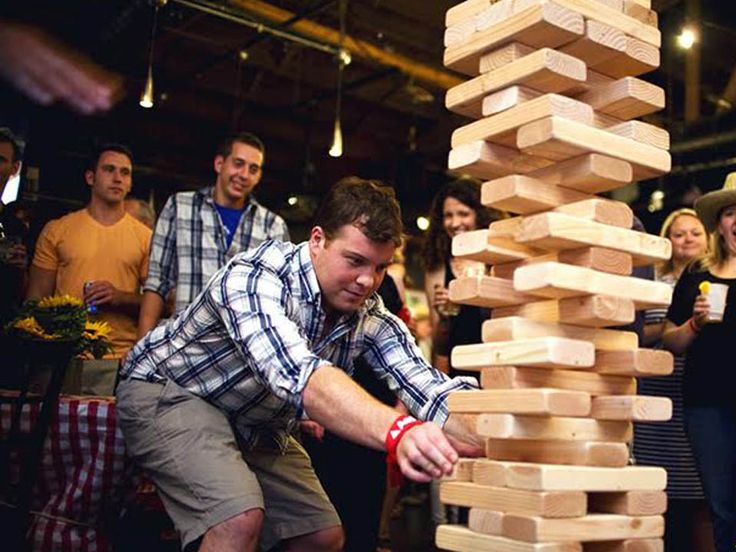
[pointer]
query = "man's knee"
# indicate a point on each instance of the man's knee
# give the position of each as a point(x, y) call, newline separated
point(244, 528)
point(331, 539)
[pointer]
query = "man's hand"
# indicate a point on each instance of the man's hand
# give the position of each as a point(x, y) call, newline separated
point(102, 292)
point(424, 453)
point(313, 429)
point(18, 257)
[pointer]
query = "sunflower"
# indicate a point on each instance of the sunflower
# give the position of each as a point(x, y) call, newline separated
point(31, 326)
point(96, 330)
point(60, 301)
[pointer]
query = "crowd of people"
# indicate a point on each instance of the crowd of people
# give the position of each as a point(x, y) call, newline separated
point(233, 342)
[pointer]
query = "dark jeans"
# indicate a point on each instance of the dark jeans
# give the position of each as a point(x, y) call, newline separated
point(712, 434)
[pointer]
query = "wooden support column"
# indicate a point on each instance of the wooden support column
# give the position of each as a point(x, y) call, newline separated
point(692, 64)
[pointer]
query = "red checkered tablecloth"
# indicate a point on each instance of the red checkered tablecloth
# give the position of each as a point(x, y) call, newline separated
point(82, 474)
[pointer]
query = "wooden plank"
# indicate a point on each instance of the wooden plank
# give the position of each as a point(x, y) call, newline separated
point(625, 98)
point(556, 428)
point(547, 402)
point(475, 246)
point(596, 258)
point(603, 211)
point(486, 161)
point(557, 280)
point(628, 545)
point(461, 471)
point(635, 408)
point(517, 193)
point(486, 292)
point(580, 453)
point(549, 504)
point(599, 43)
point(596, 527)
point(555, 477)
point(591, 172)
point(637, 58)
point(507, 98)
point(465, 10)
point(643, 3)
point(559, 231)
point(494, 14)
point(503, 55)
point(636, 362)
point(488, 522)
point(629, 503)
point(640, 12)
point(462, 539)
point(595, 311)
point(489, 472)
point(501, 128)
point(642, 132)
point(515, 327)
point(543, 352)
point(540, 26)
point(557, 138)
point(518, 377)
point(459, 32)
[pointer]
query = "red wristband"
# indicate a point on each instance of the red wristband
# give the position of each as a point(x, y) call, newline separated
point(693, 326)
point(398, 429)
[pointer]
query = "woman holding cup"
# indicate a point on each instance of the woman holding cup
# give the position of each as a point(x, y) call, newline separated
point(701, 323)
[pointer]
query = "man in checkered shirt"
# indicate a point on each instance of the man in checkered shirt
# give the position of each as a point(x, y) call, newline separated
point(198, 232)
point(207, 401)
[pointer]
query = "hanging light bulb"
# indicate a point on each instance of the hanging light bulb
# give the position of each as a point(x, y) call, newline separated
point(343, 59)
point(336, 147)
point(146, 99)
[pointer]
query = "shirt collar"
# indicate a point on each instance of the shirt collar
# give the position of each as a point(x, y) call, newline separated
point(208, 195)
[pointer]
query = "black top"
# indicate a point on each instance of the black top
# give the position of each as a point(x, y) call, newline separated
point(710, 361)
point(10, 277)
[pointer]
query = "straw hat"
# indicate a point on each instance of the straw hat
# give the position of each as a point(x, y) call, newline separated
point(710, 205)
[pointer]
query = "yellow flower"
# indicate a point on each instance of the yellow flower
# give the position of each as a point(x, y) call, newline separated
point(96, 330)
point(704, 287)
point(60, 301)
point(31, 326)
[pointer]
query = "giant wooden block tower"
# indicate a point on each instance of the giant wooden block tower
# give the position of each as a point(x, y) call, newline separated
point(553, 89)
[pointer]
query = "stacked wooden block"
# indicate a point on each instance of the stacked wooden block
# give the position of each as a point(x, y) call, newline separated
point(553, 89)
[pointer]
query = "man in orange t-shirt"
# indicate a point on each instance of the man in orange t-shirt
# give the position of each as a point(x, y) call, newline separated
point(101, 244)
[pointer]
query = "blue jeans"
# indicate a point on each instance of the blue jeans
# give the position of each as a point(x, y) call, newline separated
point(712, 434)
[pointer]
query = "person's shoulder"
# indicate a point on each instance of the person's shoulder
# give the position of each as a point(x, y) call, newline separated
point(137, 226)
point(68, 221)
point(271, 254)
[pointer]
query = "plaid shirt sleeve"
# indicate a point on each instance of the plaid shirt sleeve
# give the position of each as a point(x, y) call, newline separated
point(279, 230)
point(162, 265)
point(391, 351)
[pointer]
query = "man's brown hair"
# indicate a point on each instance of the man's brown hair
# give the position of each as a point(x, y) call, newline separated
point(368, 205)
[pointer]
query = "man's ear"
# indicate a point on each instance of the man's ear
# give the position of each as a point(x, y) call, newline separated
point(317, 238)
point(89, 177)
point(217, 163)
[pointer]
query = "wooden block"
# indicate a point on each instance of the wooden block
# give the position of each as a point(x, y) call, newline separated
point(549, 504)
point(461, 539)
point(540, 26)
point(595, 311)
point(488, 522)
point(642, 13)
point(636, 362)
point(515, 327)
point(592, 173)
point(637, 58)
point(642, 132)
point(604, 211)
point(486, 292)
point(580, 453)
point(474, 246)
point(507, 98)
point(544, 352)
point(554, 477)
point(599, 43)
point(544, 402)
point(489, 472)
point(557, 138)
point(486, 161)
point(596, 527)
point(559, 231)
point(617, 5)
point(517, 193)
point(643, 3)
point(596, 258)
point(625, 98)
point(503, 55)
point(459, 32)
point(556, 428)
point(558, 280)
point(465, 10)
point(501, 128)
point(505, 228)
point(516, 377)
point(493, 14)
point(630, 503)
point(628, 545)
point(462, 470)
point(635, 408)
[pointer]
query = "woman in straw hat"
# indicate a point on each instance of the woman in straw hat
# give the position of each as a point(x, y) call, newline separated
point(710, 364)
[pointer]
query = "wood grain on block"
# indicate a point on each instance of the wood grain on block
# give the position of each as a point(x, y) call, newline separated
point(578, 453)
point(556, 428)
point(543, 402)
point(465, 10)
point(520, 377)
point(461, 539)
point(494, 14)
point(554, 477)
point(557, 280)
point(541, 26)
point(629, 503)
point(627, 545)
point(643, 14)
point(595, 311)
point(560, 231)
point(599, 43)
point(636, 362)
point(503, 55)
point(501, 128)
point(643, 3)
point(625, 98)
point(617, 5)
point(643, 133)
point(543, 352)
point(635, 408)
point(591, 172)
point(476, 245)
point(557, 138)
point(545, 70)
point(515, 327)
point(597, 258)
point(486, 292)
point(596, 527)
point(549, 504)
point(459, 32)
point(517, 193)
point(637, 58)
point(488, 522)
point(462, 470)
point(597, 209)
point(505, 228)
point(486, 161)
point(489, 472)
point(507, 98)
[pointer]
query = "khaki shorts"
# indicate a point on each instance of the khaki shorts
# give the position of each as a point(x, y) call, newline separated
point(189, 450)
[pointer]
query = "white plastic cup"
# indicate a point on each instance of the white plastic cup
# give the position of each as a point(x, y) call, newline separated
point(716, 295)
